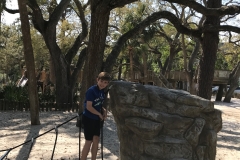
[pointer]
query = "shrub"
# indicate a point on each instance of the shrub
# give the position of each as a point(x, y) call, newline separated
point(13, 93)
point(46, 97)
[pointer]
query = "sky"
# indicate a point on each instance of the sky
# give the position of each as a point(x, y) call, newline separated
point(9, 18)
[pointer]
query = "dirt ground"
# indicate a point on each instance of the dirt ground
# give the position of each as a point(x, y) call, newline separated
point(15, 129)
point(228, 145)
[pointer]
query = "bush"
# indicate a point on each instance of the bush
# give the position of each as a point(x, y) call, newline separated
point(1, 93)
point(46, 97)
point(13, 93)
point(20, 94)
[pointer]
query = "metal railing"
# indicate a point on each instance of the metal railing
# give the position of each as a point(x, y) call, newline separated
point(7, 151)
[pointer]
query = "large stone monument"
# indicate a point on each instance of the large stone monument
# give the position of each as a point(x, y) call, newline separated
point(156, 123)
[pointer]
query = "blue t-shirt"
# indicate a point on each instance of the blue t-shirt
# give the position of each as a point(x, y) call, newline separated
point(96, 96)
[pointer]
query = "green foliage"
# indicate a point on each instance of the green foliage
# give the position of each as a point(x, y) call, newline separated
point(221, 63)
point(11, 51)
point(227, 57)
point(46, 97)
point(13, 93)
point(20, 94)
point(40, 50)
point(66, 35)
point(133, 17)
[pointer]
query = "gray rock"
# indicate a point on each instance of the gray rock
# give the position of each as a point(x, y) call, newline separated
point(158, 123)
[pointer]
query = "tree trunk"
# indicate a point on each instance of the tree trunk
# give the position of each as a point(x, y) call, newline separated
point(52, 72)
point(83, 87)
point(219, 94)
point(120, 69)
point(170, 59)
point(97, 37)
point(190, 71)
point(61, 61)
point(62, 71)
point(233, 81)
point(209, 45)
point(1, 19)
point(229, 94)
point(174, 49)
point(131, 63)
point(184, 52)
point(29, 60)
point(164, 68)
point(145, 57)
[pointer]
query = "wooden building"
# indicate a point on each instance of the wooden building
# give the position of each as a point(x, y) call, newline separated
point(174, 77)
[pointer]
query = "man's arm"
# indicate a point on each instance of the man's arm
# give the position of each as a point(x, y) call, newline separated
point(93, 110)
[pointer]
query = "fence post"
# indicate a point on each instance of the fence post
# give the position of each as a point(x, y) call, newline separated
point(50, 106)
point(15, 105)
point(5, 105)
point(1, 105)
point(20, 106)
point(47, 106)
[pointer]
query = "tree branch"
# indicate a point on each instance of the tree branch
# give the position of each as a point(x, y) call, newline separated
point(77, 44)
point(138, 29)
point(224, 10)
point(222, 28)
point(38, 21)
point(11, 11)
point(57, 13)
point(119, 3)
point(86, 5)
point(79, 65)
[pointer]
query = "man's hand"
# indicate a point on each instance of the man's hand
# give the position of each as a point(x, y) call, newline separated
point(100, 116)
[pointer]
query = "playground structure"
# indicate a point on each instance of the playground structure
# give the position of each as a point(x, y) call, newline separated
point(175, 79)
point(45, 80)
point(172, 79)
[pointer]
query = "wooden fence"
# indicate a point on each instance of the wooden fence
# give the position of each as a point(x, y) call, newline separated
point(46, 106)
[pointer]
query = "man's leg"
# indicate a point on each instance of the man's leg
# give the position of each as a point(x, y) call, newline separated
point(86, 149)
point(94, 147)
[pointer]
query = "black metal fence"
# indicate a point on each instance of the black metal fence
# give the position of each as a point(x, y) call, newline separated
point(45, 106)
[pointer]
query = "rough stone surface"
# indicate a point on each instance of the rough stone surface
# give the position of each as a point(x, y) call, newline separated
point(158, 123)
